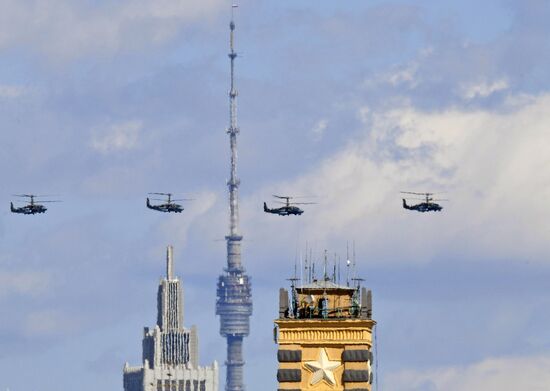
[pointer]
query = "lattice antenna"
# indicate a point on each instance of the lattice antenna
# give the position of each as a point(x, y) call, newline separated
point(233, 130)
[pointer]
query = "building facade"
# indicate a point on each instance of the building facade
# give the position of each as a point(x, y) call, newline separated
point(324, 336)
point(170, 351)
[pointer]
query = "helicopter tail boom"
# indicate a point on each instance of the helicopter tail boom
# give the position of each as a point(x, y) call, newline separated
point(11, 207)
point(266, 209)
point(405, 204)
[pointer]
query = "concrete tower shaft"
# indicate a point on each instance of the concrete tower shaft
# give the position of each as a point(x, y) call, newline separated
point(234, 298)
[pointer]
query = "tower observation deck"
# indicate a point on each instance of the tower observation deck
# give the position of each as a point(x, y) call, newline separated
point(234, 298)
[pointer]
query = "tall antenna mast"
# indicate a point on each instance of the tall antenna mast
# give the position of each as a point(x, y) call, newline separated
point(233, 130)
point(234, 302)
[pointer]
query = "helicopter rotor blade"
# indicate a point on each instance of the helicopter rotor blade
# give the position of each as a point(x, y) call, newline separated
point(50, 201)
point(412, 192)
point(303, 203)
point(282, 197)
point(166, 194)
point(184, 199)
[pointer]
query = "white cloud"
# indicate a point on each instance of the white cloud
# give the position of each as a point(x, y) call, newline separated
point(45, 323)
point(493, 165)
point(117, 137)
point(23, 283)
point(406, 76)
point(65, 29)
point(318, 130)
point(176, 227)
point(526, 373)
point(482, 90)
point(12, 92)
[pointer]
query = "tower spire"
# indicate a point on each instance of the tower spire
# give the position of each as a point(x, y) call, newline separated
point(170, 263)
point(233, 130)
point(234, 299)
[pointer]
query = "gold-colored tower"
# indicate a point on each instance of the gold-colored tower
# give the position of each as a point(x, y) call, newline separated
point(324, 334)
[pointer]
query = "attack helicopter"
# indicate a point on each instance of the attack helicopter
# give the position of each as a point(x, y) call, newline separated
point(169, 204)
point(32, 207)
point(429, 204)
point(288, 208)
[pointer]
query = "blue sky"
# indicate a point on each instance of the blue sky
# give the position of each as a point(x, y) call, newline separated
point(104, 101)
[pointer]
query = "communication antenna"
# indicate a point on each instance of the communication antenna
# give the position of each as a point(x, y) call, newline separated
point(348, 263)
point(306, 268)
point(325, 276)
point(339, 275)
point(354, 264)
point(301, 271)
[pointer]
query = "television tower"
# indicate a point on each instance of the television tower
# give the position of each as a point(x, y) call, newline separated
point(234, 298)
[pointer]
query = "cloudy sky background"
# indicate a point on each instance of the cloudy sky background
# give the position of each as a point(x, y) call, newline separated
point(102, 102)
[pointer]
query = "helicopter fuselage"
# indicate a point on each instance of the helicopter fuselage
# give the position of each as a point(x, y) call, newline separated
point(30, 209)
point(423, 206)
point(166, 207)
point(284, 210)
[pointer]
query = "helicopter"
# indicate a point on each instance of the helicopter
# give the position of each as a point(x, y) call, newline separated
point(168, 206)
point(427, 206)
point(288, 208)
point(32, 207)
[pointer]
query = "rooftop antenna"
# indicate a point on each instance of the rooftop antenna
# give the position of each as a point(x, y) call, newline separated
point(301, 270)
point(334, 269)
point(295, 269)
point(354, 264)
point(348, 263)
point(311, 266)
point(306, 268)
point(293, 290)
point(339, 274)
point(325, 275)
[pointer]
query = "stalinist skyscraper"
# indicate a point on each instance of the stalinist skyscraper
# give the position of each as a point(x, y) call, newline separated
point(170, 351)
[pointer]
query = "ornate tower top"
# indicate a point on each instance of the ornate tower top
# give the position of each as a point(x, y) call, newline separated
point(170, 297)
point(170, 357)
point(325, 336)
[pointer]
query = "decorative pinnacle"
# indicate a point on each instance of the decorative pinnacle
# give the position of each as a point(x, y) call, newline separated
point(170, 263)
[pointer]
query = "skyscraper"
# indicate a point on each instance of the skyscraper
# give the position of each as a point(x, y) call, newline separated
point(170, 351)
point(234, 302)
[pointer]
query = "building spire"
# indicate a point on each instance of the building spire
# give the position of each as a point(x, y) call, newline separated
point(170, 263)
